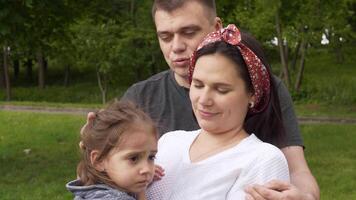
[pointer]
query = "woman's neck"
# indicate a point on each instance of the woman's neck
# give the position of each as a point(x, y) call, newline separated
point(208, 144)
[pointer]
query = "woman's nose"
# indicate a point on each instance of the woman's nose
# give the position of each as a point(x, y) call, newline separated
point(205, 98)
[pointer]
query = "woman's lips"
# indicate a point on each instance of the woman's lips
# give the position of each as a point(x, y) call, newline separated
point(206, 114)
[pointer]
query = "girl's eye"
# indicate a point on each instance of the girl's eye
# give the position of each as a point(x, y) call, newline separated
point(134, 159)
point(152, 157)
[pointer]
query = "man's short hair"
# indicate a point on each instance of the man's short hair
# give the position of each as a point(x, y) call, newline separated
point(171, 5)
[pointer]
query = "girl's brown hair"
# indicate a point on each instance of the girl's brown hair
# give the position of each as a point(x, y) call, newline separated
point(103, 133)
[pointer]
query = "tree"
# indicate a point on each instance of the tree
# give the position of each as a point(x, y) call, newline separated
point(97, 48)
point(47, 21)
point(296, 25)
point(12, 15)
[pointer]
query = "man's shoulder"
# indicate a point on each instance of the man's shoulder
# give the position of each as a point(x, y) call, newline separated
point(153, 81)
point(147, 87)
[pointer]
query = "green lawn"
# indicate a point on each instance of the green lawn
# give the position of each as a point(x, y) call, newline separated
point(42, 173)
point(53, 140)
point(330, 151)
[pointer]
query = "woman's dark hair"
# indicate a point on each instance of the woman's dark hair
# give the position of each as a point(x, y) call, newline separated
point(266, 125)
point(104, 133)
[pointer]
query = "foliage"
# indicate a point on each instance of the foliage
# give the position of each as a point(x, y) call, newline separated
point(301, 24)
point(117, 37)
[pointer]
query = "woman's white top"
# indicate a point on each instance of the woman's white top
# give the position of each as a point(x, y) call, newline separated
point(221, 176)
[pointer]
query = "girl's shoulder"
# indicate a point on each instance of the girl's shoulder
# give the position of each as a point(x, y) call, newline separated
point(96, 192)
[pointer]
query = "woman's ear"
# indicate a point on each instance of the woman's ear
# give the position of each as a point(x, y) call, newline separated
point(93, 160)
point(252, 101)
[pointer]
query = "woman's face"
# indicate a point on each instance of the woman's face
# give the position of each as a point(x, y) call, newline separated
point(219, 96)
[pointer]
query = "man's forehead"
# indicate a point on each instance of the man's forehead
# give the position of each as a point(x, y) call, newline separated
point(176, 24)
point(183, 17)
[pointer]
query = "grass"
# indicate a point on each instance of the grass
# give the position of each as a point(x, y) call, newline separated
point(50, 104)
point(42, 173)
point(325, 110)
point(53, 140)
point(83, 93)
point(331, 156)
point(325, 81)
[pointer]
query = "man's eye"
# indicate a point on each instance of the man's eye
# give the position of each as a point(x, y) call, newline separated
point(189, 33)
point(165, 37)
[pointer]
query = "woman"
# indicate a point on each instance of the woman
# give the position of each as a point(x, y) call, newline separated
point(235, 104)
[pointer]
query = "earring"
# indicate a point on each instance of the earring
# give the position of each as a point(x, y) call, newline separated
point(251, 104)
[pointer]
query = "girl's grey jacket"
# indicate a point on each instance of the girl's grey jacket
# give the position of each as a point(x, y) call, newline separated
point(96, 192)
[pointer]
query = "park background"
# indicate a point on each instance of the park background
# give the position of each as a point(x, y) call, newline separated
point(62, 54)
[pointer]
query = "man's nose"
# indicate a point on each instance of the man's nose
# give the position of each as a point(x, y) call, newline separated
point(178, 44)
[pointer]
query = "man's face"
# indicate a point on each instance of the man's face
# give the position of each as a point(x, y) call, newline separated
point(179, 34)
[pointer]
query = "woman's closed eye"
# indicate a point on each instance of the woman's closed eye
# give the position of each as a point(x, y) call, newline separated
point(196, 85)
point(223, 90)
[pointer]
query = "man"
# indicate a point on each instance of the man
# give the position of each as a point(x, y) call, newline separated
point(181, 25)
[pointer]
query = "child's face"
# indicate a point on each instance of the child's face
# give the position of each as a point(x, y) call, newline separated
point(131, 164)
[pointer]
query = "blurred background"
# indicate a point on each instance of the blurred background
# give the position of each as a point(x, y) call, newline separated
point(81, 54)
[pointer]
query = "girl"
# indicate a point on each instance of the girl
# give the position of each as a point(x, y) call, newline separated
point(236, 106)
point(118, 147)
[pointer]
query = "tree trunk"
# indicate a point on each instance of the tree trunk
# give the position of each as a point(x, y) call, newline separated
point(132, 12)
point(102, 85)
point(295, 58)
point(303, 50)
point(29, 70)
point(286, 53)
point(66, 75)
point(338, 52)
point(6, 75)
point(41, 70)
point(45, 66)
point(282, 51)
point(16, 69)
point(2, 74)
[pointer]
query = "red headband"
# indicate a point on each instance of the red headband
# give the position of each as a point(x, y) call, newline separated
point(259, 74)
